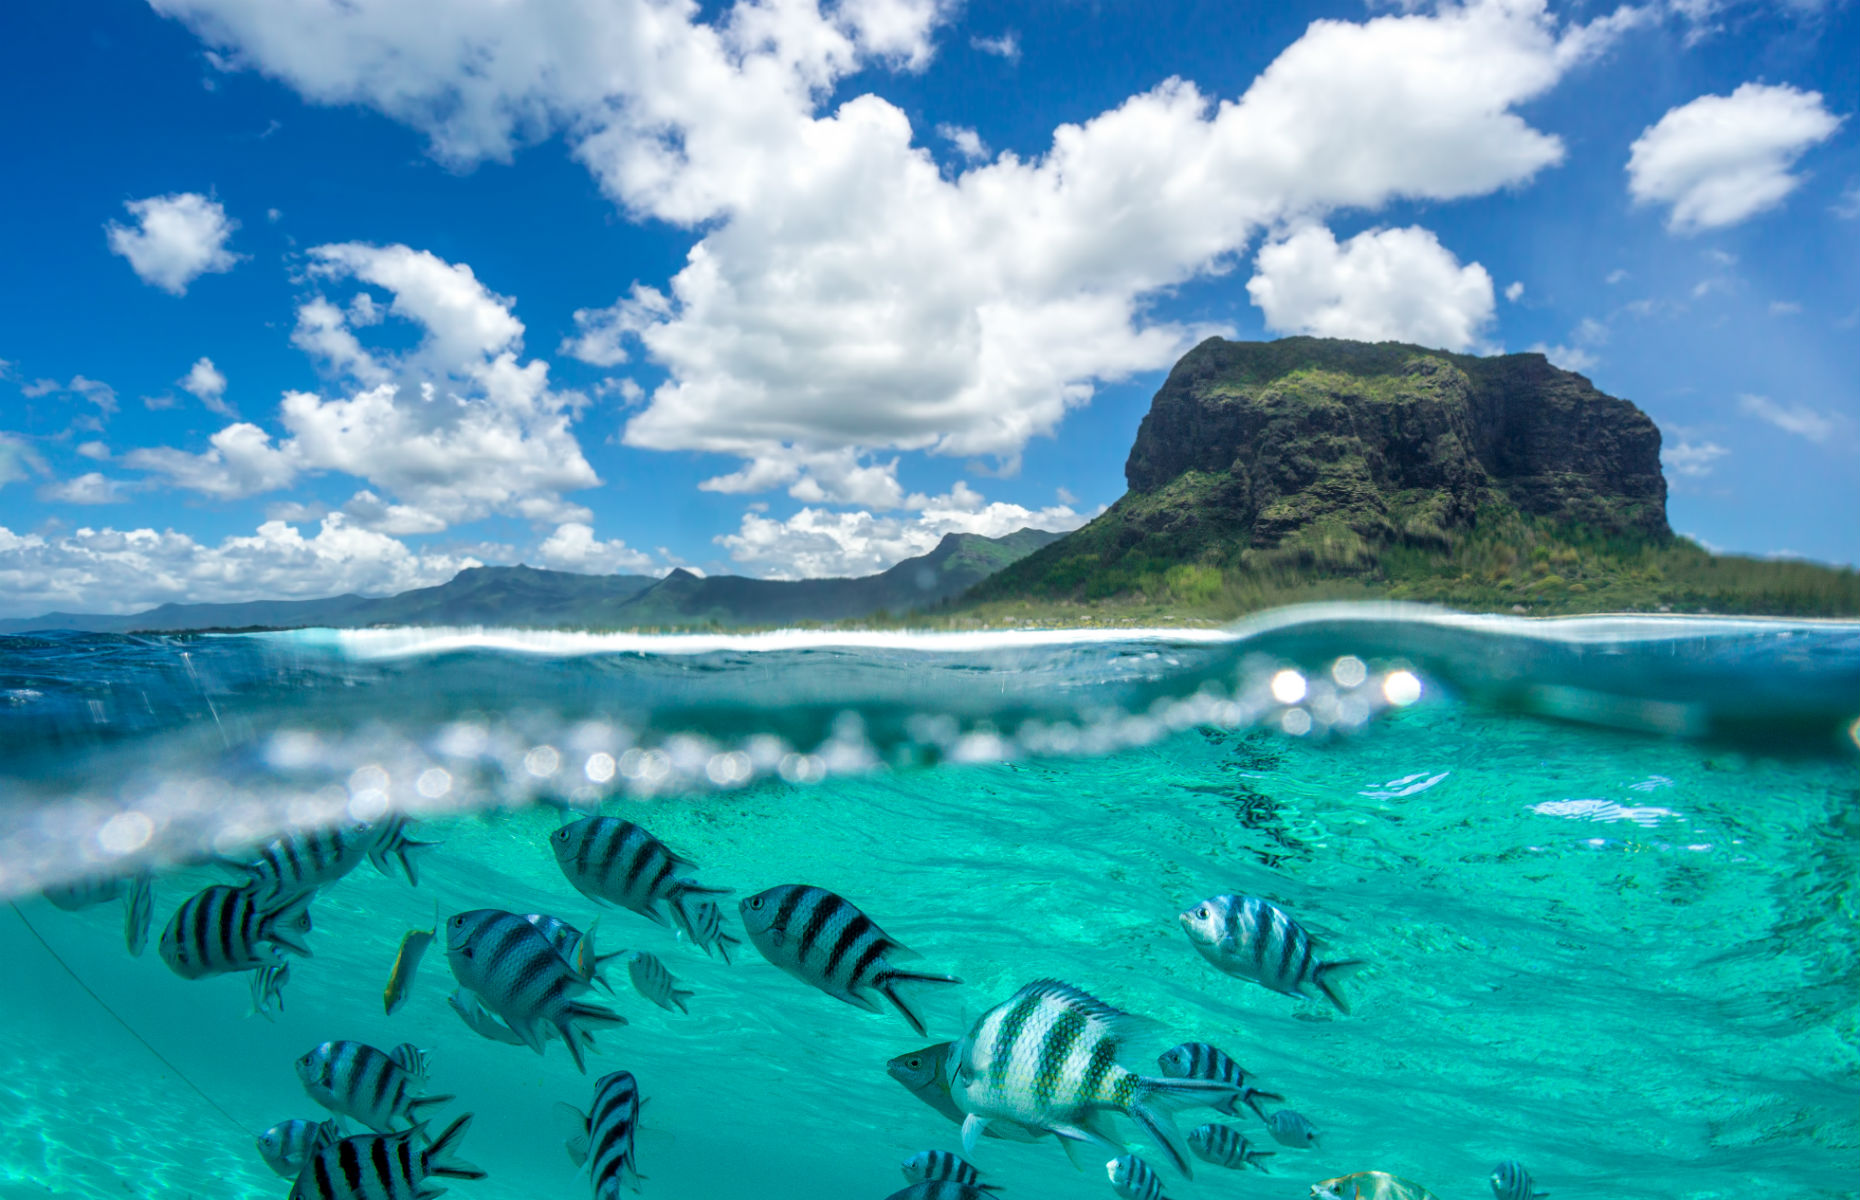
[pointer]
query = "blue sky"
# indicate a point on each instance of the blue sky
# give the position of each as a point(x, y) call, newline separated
point(303, 298)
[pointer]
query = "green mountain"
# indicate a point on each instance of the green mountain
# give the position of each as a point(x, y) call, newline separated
point(528, 597)
point(1311, 468)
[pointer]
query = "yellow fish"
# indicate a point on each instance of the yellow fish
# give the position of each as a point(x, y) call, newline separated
point(412, 946)
point(1369, 1185)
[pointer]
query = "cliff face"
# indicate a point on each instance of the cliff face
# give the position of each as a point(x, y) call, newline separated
point(1393, 441)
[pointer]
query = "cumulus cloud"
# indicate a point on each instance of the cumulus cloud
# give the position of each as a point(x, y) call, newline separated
point(174, 239)
point(206, 384)
point(1797, 419)
point(573, 547)
point(816, 543)
point(1692, 460)
point(844, 293)
point(1381, 285)
point(454, 429)
point(1723, 159)
point(91, 488)
point(107, 570)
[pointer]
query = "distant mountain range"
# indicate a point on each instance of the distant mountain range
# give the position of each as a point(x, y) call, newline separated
point(532, 598)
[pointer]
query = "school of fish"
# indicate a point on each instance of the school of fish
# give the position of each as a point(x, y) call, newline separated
point(1049, 1061)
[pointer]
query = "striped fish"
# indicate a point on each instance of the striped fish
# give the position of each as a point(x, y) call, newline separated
point(306, 859)
point(136, 891)
point(287, 1145)
point(411, 1059)
point(617, 862)
point(86, 892)
point(1225, 1146)
point(355, 1080)
point(823, 940)
point(927, 1074)
point(1291, 1129)
point(471, 1011)
point(603, 1138)
point(575, 947)
point(384, 1167)
point(268, 991)
point(1255, 939)
point(929, 1166)
point(1132, 1179)
point(655, 983)
point(1047, 1057)
point(1510, 1181)
point(702, 923)
point(1199, 1060)
point(1369, 1185)
point(519, 976)
point(224, 929)
point(940, 1189)
point(391, 842)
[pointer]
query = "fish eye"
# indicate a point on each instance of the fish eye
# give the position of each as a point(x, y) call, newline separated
point(755, 902)
point(1201, 914)
point(913, 1062)
point(561, 835)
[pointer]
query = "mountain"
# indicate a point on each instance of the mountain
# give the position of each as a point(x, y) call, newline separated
point(526, 596)
point(1308, 468)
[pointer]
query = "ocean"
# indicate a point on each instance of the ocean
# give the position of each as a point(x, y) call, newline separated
point(1604, 874)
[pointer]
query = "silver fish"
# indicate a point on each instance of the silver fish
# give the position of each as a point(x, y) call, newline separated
point(617, 862)
point(411, 1059)
point(137, 896)
point(929, 1166)
point(471, 1011)
point(355, 1080)
point(1510, 1181)
point(927, 1074)
point(1199, 1060)
point(1225, 1146)
point(606, 1132)
point(575, 947)
point(268, 991)
point(1132, 1179)
point(384, 1167)
point(1255, 939)
point(224, 929)
point(1046, 1057)
point(655, 983)
point(287, 1145)
point(823, 940)
point(306, 859)
point(519, 976)
point(940, 1189)
point(702, 923)
point(1291, 1129)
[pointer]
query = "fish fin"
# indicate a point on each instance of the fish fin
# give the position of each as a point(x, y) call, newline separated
point(527, 1030)
point(723, 943)
point(1253, 1157)
point(1321, 979)
point(973, 1126)
point(1117, 1024)
point(423, 1102)
point(1151, 1115)
point(596, 1014)
point(887, 983)
point(288, 924)
point(138, 908)
point(576, 1122)
point(574, 1044)
point(439, 1160)
point(327, 1134)
point(1251, 1098)
point(1083, 1153)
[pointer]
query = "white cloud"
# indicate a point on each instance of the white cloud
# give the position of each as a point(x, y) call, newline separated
point(1784, 308)
point(843, 293)
point(1616, 276)
point(1847, 208)
point(573, 547)
point(454, 429)
point(107, 570)
point(1722, 159)
point(1005, 46)
point(1692, 460)
point(96, 451)
point(967, 142)
point(1570, 358)
point(206, 384)
point(1381, 285)
point(1514, 291)
point(175, 239)
point(816, 543)
point(1798, 419)
point(824, 477)
point(91, 488)
point(18, 460)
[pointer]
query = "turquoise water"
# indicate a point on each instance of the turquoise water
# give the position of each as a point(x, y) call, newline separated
point(1605, 875)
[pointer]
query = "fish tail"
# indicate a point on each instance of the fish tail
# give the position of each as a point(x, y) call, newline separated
point(679, 996)
point(887, 984)
point(1251, 1098)
point(724, 942)
point(289, 922)
point(439, 1160)
point(1321, 979)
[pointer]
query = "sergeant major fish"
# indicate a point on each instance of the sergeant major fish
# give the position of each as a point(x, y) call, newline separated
point(1510, 1181)
point(617, 862)
point(703, 925)
point(519, 976)
point(137, 892)
point(355, 1080)
point(932, 1165)
point(823, 940)
point(384, 1167)
point(224, 929)
point(1199, 1060)
point(604, 1134)
point(287, 1145)
point(940, 1189)
point(575, 947)
point(927, 1074)
point(1046, 1057)
point(1291, 1129)
point(1255, 939)
point(655, 983)
point(1225, 1146)
point(1132, 1179)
